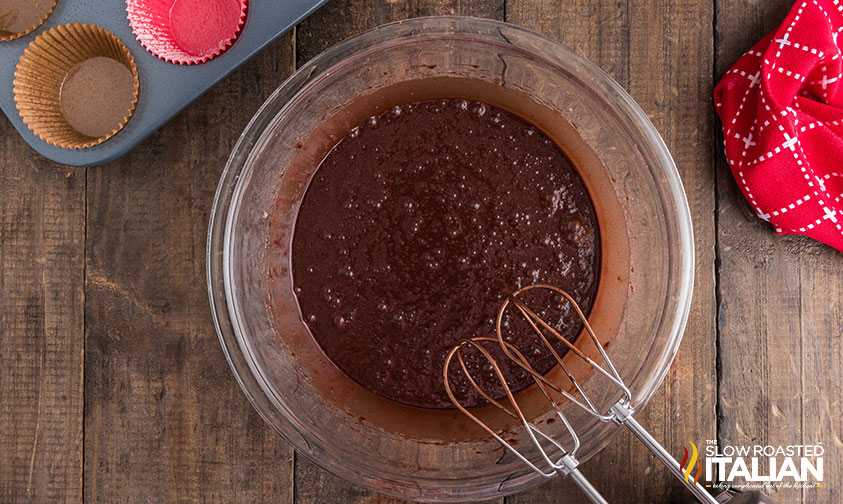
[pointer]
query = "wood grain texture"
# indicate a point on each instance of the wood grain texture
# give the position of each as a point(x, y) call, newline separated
point(661, 52)
point(780, 319)
point(113, 387)
point(165, 420)
point(340, 19)
point(42, 216)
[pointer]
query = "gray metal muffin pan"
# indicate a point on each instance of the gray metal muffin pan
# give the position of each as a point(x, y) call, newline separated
point(165, 88)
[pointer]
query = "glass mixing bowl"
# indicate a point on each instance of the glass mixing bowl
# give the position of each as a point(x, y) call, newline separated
point(647, 263)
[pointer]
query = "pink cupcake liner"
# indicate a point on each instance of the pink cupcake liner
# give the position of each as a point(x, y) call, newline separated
point(186, 31)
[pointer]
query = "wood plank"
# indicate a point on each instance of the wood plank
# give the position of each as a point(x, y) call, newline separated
point(165, 420)
point(341, 19)
point(662, 53)
point(333, 23)
point(780, 309)
point(42, 247)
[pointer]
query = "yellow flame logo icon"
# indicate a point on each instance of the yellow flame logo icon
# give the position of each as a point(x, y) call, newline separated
point(686, 469)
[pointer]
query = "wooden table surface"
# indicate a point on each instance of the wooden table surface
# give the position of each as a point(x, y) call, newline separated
point(113, 386)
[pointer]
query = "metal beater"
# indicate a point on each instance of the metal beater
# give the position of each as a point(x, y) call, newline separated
point(620, 413)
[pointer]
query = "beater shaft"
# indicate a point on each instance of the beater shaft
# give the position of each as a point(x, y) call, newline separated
point(623, 416)
point(586, 487)
point(621, 413)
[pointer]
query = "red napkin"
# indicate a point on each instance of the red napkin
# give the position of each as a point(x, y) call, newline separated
point(781, 106)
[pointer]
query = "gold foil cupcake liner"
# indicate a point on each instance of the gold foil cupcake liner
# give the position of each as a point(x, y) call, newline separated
point(7, 18)
point(41, 73)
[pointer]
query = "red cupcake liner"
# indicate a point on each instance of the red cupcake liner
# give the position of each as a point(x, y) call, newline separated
point(186, 31)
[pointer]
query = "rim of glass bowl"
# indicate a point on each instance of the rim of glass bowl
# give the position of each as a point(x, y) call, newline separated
point(225, 207)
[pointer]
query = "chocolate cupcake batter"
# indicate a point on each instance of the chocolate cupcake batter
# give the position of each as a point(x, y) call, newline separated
point(414, 229)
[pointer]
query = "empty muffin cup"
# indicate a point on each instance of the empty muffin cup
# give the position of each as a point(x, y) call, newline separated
point(76, 85)
point(19, 18)
point(186, 31)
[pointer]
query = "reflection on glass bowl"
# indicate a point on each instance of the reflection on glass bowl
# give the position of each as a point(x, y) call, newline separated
point(646, 270)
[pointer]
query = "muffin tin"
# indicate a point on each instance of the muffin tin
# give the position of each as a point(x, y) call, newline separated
point(165, 88)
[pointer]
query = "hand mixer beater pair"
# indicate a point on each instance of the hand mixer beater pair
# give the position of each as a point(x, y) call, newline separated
point(621, 412)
